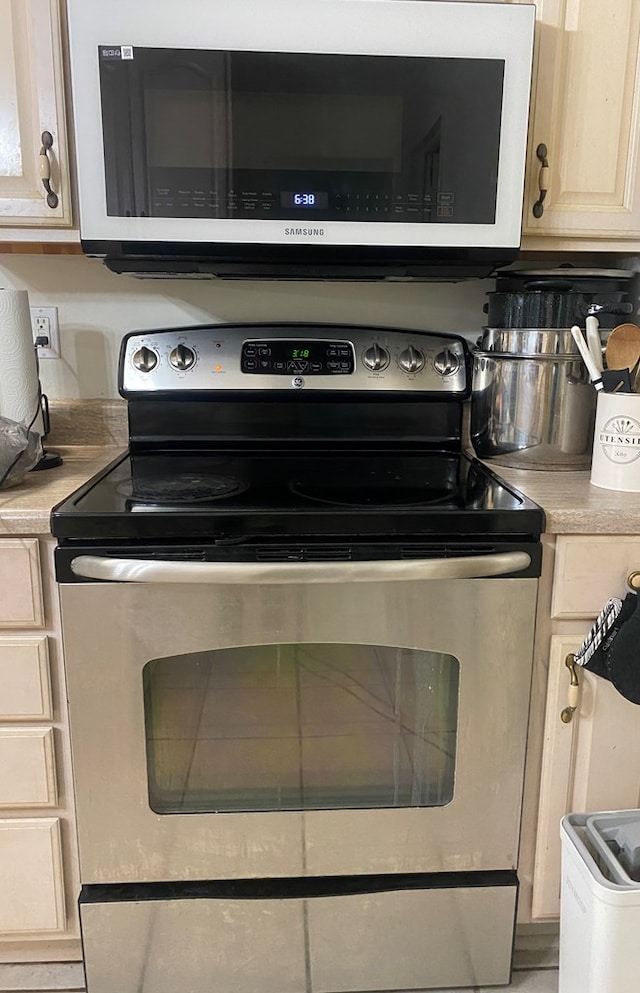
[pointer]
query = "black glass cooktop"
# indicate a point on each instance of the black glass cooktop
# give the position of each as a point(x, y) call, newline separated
point(224, 496)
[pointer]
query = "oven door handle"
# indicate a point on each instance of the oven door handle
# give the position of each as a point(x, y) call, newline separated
point(156, 571)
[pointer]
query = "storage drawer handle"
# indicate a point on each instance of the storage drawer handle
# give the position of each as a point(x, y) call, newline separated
point(156, 571)
point(574, 691)
point(543, 180)
point(45, 169)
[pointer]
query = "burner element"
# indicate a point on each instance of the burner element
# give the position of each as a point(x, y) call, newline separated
point(183, 488)
point(376, 488)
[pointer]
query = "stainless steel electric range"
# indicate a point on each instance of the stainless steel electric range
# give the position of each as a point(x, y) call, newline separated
point(298, 625)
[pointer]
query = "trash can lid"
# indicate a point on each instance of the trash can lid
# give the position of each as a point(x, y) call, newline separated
point(616, 837)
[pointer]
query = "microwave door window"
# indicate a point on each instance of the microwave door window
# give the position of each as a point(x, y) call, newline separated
point(286, 136)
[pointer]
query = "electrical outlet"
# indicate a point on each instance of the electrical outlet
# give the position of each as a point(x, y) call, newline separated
point(44, 324)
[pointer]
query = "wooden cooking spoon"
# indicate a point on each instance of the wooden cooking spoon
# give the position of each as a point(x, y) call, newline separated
point(623, 347)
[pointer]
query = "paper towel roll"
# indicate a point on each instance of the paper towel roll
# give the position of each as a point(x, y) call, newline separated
point(19, 380)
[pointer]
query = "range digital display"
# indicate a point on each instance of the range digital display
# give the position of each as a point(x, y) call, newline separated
point(297, 357)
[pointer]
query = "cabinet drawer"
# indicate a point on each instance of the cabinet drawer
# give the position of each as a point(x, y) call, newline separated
point(32, 891)
point(27, 768)
point(21, 601)
point(25, 687)
point(589, 570)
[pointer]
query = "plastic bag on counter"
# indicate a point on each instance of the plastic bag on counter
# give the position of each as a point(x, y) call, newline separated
point(612, 647)
point(20, 451)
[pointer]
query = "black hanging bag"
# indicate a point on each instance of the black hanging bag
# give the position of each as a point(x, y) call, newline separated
point(612, 647)
point(623, 655)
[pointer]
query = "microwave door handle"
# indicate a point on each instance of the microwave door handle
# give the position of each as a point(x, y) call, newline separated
point(141, 571)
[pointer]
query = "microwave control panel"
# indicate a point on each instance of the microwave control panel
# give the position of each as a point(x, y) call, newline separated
point(287, 357)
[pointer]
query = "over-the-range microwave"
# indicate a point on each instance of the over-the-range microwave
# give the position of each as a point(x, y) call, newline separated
point(301, 138)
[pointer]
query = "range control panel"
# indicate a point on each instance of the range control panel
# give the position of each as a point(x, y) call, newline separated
point(292, 357)
point(309, 357)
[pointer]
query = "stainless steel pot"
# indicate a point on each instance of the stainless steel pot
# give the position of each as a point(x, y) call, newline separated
point(528, 341)
point(532, 411)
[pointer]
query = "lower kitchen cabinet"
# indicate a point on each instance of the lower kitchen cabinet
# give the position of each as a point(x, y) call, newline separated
point(32, 898)
point(38, 862)
point(592, 761)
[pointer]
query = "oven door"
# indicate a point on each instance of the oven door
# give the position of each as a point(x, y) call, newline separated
point(288, 720)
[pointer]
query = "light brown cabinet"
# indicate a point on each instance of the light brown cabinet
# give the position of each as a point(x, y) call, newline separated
point(38, 863)
point(585, 111)
point(591, 762)
point(32, 102)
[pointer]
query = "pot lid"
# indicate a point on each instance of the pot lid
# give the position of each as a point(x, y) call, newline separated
point(567, 272)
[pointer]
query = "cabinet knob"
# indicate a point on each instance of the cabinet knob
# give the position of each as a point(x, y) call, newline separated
point(543, 180)
point(45, 169)
point(574, 691)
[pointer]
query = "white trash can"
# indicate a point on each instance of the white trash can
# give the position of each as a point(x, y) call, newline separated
point(600, 903)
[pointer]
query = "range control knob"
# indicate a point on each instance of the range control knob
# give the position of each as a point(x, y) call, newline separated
point(446, 362)
point(144, 359)
point(411, 359)
point(182, 358)
point(376, 358)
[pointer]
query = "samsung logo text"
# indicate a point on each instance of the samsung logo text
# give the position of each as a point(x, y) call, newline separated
point(304, 232)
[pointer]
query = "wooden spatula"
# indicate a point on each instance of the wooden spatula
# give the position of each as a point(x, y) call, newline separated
point(623, 347)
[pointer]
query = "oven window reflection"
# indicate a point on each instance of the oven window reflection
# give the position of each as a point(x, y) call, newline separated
point(300, 727)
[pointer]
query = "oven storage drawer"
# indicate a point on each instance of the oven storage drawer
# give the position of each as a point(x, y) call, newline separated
point(377, 940)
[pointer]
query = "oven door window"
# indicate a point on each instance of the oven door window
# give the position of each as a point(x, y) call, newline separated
point(306, 137)
point(301, 727)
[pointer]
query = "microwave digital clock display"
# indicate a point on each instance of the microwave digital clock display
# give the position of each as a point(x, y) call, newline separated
point(305, 199)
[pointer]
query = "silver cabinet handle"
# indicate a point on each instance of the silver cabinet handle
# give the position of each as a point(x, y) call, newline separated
point(141, 571)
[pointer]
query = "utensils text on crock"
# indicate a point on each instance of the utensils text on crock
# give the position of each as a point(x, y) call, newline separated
point(623, 347)
point(587, 358)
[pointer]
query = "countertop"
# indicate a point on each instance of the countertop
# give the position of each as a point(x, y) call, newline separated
point(25, 507)
point(571, 504)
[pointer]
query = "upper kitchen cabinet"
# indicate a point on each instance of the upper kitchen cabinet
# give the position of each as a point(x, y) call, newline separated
point(34, 164)
point(584, 136)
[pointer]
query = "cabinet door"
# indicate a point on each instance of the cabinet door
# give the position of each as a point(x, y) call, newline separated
point(591, 763)
point(25, 684)
point(21, 603)
point(32, 102)
point(27, 768)
point(586, 95)
point(32, 891)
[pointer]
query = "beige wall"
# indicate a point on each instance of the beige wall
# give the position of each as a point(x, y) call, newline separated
point(96, 308)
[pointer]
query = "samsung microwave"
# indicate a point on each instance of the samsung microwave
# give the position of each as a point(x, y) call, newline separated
point(302, 138)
